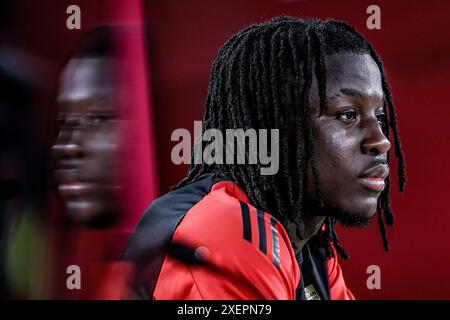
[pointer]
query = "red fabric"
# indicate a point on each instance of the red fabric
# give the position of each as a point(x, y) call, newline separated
point(239, 269)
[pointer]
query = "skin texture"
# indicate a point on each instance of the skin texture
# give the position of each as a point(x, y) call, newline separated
point(87, 147)
point(348, 141)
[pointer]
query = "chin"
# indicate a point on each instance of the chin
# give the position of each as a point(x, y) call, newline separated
point(361, 217)
point(92, 214)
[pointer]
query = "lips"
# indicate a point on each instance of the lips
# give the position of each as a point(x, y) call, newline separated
point(76, 189)
point(373, 178)
point(70, 182)
point(72, 185)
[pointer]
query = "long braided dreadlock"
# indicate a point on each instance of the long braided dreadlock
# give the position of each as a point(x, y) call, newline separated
point(248, 89)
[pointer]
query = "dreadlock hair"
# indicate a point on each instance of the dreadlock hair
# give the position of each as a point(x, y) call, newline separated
point(248, 89)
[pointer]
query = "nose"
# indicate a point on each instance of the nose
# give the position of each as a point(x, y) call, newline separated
point(375, 142)
point(67, 145)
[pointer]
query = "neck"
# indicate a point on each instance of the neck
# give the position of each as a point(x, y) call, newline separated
point(312, 221)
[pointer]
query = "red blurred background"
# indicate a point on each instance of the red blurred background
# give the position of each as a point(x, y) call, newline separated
point(183, 39)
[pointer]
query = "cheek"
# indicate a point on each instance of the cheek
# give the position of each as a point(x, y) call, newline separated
point(103, 143)
point(336, 154)
point(335, 150)
point(102, 147)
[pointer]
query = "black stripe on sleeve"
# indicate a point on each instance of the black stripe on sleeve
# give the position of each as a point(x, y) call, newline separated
point(246, 222)
point(262, 232)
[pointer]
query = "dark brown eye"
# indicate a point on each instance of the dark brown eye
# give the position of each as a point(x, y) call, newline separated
point(97, 119)
point(347, 116)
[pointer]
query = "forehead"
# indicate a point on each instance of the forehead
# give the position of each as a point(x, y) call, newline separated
point(357, 72)
point(86, 79)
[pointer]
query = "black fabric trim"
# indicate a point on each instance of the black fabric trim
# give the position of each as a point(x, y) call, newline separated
point(300, 292)
point(262, 231)
point(150, 242)
point(314, 270)
point(247, 225)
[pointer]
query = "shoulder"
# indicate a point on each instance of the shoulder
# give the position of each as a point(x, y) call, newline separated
point(158, 223)
point(248, 247)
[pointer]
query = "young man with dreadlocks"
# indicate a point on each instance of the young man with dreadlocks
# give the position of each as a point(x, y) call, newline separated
point(227, 231)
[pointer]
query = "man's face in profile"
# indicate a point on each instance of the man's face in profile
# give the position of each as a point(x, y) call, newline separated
point(87, 147)
point(351, 149)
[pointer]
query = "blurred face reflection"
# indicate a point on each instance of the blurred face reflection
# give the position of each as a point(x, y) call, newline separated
point(87, 147)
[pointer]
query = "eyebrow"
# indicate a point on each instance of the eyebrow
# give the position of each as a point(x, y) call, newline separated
point(347, 92)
